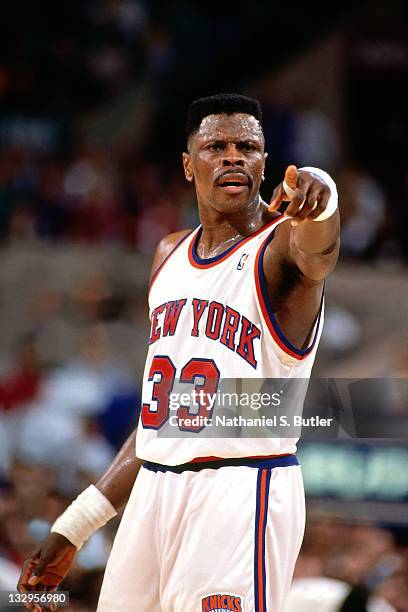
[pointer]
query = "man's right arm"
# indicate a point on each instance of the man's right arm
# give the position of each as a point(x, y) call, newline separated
point(52, 560)
point(117, 481)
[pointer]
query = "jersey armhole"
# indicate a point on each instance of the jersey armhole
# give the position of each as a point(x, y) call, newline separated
point(268, 315)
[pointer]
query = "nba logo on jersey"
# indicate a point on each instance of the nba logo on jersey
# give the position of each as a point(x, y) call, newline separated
point(221, 603)
point(242, 261)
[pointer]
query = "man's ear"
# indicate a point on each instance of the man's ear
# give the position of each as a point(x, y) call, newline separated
point(263, 171)
point(188, 172)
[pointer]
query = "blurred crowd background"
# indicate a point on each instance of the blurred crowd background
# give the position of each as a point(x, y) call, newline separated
point(93, 100)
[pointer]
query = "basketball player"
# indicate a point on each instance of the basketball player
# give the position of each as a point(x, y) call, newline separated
point(214, 524)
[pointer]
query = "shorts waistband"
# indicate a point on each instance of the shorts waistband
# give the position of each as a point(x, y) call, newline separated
point(267, 462)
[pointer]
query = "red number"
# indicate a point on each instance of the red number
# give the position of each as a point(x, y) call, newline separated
point(155, 414)
point(195, 368)
point(163, 367)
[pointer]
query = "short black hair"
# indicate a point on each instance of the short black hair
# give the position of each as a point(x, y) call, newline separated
point(227, 103)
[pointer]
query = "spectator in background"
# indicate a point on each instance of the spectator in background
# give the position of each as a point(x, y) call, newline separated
point(363, 212)
point(20, 384)
point(279, 126)
point(92, 191)
point(315, 138)
point(347, 568)
point(327, 595)
point(51, 202)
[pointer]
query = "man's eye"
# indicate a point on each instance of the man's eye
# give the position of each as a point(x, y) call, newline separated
point(246, 146)
point(216, 146)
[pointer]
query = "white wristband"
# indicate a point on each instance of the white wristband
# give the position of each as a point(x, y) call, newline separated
point(332, 204)
point(87, 513)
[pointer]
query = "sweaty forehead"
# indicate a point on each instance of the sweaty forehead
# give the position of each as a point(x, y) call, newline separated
point(239, 126)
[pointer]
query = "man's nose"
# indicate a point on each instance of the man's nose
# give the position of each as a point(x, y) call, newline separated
point(232, 157)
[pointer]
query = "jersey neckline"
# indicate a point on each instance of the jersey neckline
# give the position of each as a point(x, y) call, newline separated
point(199, 262)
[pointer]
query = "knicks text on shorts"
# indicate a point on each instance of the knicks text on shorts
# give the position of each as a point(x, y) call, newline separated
point(219, 602)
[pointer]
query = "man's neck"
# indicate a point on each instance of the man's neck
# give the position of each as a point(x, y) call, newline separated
point(221, 231)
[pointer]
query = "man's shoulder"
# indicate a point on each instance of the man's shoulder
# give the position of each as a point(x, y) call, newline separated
point(166, 246)
point(169, 242)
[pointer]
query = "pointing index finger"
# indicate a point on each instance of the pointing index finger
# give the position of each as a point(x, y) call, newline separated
point(290, 182)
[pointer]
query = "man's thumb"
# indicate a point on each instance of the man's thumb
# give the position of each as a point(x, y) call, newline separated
point(291, 175)
point(38, 571)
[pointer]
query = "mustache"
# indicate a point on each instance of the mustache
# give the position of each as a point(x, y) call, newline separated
point(234, 171)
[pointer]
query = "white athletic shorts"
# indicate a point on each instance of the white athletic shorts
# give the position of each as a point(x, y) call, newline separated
point(222, 538)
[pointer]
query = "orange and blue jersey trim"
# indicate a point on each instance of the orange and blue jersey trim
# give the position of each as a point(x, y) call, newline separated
point(166, 259)
point(198, 262)
point(267, 310)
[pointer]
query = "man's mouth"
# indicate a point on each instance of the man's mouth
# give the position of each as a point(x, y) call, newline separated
point(233, 182)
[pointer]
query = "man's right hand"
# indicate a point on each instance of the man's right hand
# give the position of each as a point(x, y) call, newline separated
point(46, 568)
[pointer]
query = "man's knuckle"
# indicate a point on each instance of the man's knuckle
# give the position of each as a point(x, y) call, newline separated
point(303, 213)
point(306, 209)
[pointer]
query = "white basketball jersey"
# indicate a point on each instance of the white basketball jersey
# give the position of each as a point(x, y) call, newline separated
point(211, 320)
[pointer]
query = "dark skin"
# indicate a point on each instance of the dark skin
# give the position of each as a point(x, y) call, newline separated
point(226, 162)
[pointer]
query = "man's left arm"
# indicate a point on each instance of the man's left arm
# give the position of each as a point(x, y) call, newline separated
point(314, 237)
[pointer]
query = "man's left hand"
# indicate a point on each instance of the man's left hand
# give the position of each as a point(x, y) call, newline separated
point(308, 195)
